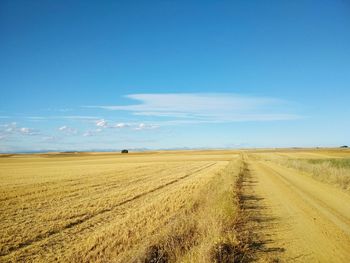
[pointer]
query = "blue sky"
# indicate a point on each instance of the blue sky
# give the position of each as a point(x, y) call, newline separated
point(82, 75)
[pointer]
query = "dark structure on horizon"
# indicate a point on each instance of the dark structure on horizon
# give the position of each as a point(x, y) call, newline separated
point(124, 151)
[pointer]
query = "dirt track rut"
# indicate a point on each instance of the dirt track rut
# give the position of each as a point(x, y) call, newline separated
point(298, 218)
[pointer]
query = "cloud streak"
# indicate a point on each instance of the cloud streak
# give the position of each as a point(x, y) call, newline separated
point(68, 130)
point(10, 129)
point(103, 124)
point(205, 107)
point(90, 133)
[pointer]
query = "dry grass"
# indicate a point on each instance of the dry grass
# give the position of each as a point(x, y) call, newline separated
point(332, 171)
point(206, 231)
point(113, 208)
point(319, 165)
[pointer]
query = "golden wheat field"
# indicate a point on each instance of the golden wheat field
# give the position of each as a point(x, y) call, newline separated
point(176, 206)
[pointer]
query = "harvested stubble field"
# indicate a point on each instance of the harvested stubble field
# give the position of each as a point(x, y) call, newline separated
point(176, 206)
point(105, 207)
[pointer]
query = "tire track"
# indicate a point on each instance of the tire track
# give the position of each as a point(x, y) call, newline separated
point(310, 221)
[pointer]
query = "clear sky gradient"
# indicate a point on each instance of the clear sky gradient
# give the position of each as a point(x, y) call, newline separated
point(95, 75)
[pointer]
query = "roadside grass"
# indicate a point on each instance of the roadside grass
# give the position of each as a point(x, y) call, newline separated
point(338, 163)
point(206, 231)
point(332, 171)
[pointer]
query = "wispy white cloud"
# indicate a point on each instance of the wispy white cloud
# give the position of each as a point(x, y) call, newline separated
point(68, 130)
point(143, 126)
point(88, 134)
point(207, 107)
point(36, 118)
point(50, 139)
point(77, 117)
point(58, 110)
point(102, 123)
point(121, 125)
point(9, 129)
point(92, 132)
point(64, 110)
point(28, 131)
point(69, 117)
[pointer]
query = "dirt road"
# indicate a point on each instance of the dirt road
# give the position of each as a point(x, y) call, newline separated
point(297, 218)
